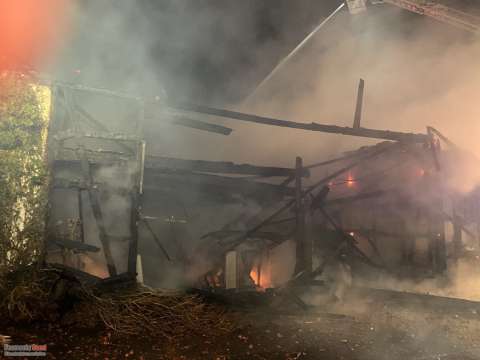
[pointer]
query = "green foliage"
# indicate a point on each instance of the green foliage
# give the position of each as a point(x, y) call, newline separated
point(23, 178)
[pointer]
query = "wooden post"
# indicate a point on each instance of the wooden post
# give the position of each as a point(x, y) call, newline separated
point(80, 216)
point(476, 207)
point(139, 270)
point(358, 109)
point(133, 248)
point(457, 236)
point(135, 200)
point(97, 214)
point(441, 249)
point(231, 270)
point(437, 221)
point(304, 247)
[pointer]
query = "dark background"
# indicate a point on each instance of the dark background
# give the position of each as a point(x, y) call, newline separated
point(198, 49)
point(210, 51)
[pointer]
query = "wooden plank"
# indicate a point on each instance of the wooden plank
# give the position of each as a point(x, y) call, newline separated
point(201, 125)
point(159, 162)
point(167, 177)
point(333, 129)
point(354, 198)
point(265, 235)
point(223, 167)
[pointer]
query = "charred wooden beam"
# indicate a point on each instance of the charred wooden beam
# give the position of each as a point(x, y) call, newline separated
point(457, 237)
point(80, 215)
point(168, 177)
point(133, 241)
point(319, 199)
point(223, 167)
point(361, 132)
point(74, 245)
point(358, 108)
point(303, 246)
point(432, 130)
point(332, 161)
point(459, 223)
point(268, 220)
point(323, 181)
point(201, 125)
point(98, 215)
point(135, 195)
point(71, 134)
point(102, 157)
point(333, 129)
point(175, 120)
point(354, 198)
point(98, 125)
point(349, 240)
point(265, 235)
point(155, 237)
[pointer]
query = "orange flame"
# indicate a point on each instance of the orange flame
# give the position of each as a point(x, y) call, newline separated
point(261, 273)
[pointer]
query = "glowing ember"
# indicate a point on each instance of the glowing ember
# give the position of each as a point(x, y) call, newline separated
point(350, 180)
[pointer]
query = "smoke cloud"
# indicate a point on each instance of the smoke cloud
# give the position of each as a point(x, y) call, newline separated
point(418, 72)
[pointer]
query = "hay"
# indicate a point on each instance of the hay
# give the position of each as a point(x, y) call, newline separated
point(25, 296)
point(45, 295)
point(160, 313)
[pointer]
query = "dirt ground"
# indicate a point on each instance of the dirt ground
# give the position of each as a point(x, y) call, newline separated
point(365, 329)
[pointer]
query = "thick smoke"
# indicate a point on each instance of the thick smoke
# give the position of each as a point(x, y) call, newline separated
point(418, 72)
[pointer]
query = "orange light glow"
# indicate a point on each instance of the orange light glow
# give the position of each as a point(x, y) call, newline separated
point(261, 275)
point(30, 30)
point(350, 180)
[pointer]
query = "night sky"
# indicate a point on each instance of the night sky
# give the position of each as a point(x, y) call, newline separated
point(201, 49)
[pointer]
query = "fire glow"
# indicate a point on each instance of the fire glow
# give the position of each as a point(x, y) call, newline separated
point(29, 31)
point(261, 273)
point(350, 180)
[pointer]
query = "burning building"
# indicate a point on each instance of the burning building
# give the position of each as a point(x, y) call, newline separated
point(393, 207)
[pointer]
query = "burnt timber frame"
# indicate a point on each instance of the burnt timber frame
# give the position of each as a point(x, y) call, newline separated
point(81, 157)
point(234, 115)
point(304, 257)
point(199, 166)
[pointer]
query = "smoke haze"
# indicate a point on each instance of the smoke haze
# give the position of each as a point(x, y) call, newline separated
point(418, 72)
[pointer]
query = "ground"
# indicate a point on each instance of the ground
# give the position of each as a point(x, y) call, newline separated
point(369, 327)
